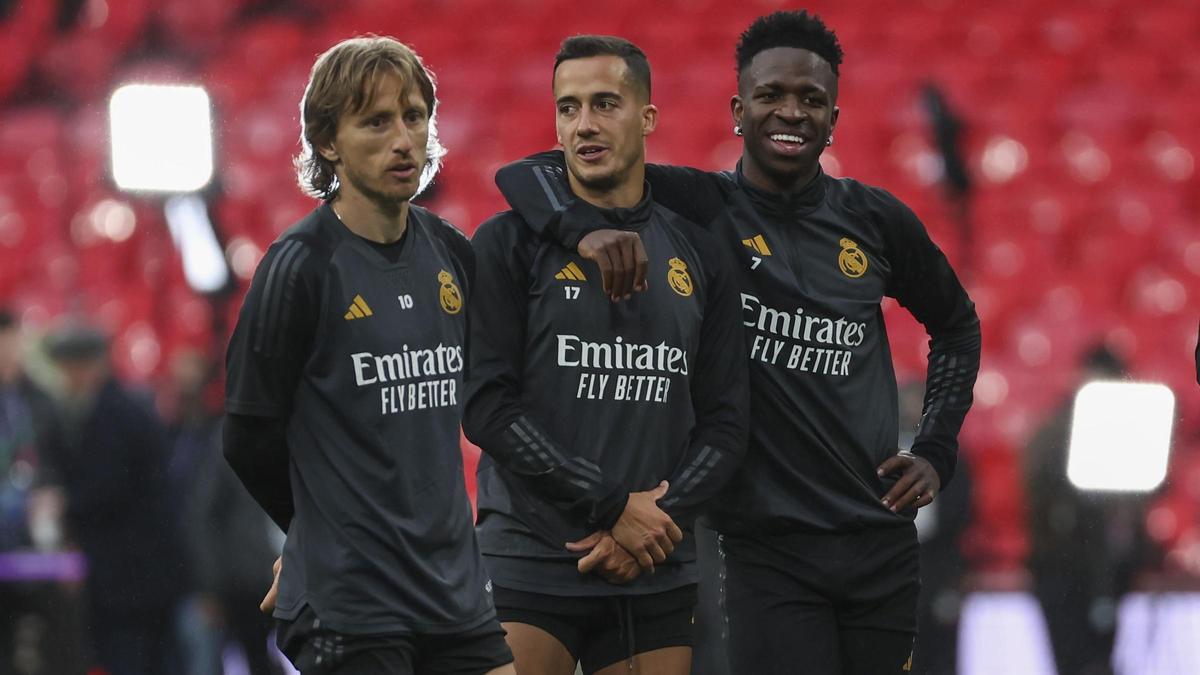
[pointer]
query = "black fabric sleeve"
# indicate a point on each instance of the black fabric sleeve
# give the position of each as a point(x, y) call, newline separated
point(495, 417)
point(264, 362)
point(256, 449)
point(720, 397)
point(537, 189)
point(924, 283)
point(698, 196)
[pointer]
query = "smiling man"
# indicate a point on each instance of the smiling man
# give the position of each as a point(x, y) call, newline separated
point(606, 427)
point(343, 386)
point(816, 529)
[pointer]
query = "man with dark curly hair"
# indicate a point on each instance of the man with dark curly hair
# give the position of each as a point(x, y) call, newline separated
point(816, 531)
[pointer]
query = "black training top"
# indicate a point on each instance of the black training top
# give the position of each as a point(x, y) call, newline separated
point(812, 270)
point(577, 401)
point(363, 358)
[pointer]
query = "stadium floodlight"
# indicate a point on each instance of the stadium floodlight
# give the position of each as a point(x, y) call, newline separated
point(204, 264)
point(1120, 436)
point(161, 138)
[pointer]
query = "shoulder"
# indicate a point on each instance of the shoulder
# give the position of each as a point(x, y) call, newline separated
point(301, 251)
point(438, 227)
point(442, 230)
point(870, 201)
point(506, 228)
point(709, 252)
point(314, 232)
point(701, 239)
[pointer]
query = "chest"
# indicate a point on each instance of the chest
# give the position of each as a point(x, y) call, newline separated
point(566, 295)
point(372, 305)
point(828, 262)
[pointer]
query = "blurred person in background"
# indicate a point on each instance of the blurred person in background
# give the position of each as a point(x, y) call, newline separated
point(192, 431)
point(37, 633)
point(228, 538)
point(1085, 546)
point(111, 464)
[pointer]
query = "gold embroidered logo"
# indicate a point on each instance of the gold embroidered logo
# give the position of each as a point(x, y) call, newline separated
point(852, 261)
point(358, 309)
point(571, 273)
point(758, 244)
point(678, 278)
point(449, 295)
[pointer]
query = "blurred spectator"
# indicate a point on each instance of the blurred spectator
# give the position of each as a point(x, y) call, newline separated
point(112, 467)
point(1084, 545)
point(35, 614)
point(940, 527)
point(228, 537)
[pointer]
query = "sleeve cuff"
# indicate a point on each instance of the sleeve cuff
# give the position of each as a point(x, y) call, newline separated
point(608, 510)
point(943, 462)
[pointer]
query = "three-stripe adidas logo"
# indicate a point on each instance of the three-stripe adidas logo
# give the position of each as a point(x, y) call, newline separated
point(359, 309)
point(758, 244)
point(571, 273)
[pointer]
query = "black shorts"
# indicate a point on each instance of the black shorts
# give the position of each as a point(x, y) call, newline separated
point(838, 602)
point(315, 650)
point(601, 631)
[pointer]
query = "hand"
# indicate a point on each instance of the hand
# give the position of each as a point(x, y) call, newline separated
point(621, 258)
point(645, 530)
point(268, 603)
point(918, 483)
point(606, 557)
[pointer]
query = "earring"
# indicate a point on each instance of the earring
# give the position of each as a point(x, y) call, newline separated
point(737, 130)
point(829, 141)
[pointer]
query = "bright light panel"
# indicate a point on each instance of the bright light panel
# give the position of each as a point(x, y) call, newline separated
point(1120, 436)
point(161, 137)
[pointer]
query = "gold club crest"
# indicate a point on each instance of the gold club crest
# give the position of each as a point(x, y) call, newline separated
point(449, 295)
point(852, 261)
point(678, 277)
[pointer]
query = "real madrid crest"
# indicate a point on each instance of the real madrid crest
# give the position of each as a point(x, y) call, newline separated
point(852, 261)
point(678, 278)
point(449, 295)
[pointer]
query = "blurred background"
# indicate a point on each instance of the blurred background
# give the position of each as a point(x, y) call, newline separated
point(1048, 145)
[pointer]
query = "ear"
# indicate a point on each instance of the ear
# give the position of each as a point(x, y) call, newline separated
point(329, 152)
point(649, 119)
point(736, 109)
point(833, 120)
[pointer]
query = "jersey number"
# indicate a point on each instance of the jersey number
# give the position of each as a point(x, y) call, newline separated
point(406, 301)
point(571, 291)
point(757, 261)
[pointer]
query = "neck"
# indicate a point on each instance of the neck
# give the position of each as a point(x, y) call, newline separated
point(369, 219)
point(625, 195)
point(784, 185)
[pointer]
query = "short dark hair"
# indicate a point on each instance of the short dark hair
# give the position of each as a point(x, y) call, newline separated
point(587, 46)
point(797, 29)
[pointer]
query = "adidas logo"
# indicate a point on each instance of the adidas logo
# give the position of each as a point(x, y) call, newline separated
point(758, 244)
point(359, 309)
point(571, 273)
